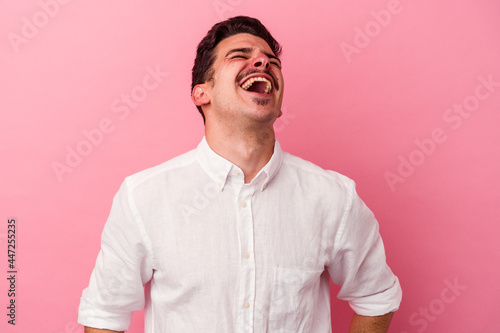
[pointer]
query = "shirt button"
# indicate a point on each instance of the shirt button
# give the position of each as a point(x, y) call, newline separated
point(243, 204)
point(236, 172)
point(246, 255)
point(246, 305)
point(219, 184)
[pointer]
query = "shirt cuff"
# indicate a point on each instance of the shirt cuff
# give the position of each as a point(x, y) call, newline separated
point(92, 316)
point(379, 304)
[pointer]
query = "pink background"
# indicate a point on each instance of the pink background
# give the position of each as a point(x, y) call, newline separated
point(370, 92)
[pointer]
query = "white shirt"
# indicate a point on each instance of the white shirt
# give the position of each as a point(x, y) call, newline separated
point(219, 255)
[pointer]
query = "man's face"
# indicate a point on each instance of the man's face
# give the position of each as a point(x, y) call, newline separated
point(247, 84)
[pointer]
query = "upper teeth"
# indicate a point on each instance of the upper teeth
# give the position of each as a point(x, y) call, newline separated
point(250, 81)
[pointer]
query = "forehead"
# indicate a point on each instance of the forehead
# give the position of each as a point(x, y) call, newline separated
point(242, 41)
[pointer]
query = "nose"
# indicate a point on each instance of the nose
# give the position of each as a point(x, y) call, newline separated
point(261, 61)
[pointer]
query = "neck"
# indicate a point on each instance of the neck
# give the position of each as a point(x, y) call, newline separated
point(250, 148)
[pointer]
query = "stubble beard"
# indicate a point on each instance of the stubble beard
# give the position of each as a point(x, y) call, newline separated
point(261, 101)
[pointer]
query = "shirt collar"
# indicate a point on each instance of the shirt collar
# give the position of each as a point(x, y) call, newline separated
point(218, 168)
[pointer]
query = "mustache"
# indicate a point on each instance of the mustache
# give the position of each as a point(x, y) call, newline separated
point(253, 71)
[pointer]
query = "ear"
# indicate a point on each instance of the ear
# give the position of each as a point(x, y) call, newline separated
point(199, 95)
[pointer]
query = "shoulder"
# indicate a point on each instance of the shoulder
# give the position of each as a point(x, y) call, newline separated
point(163, 170)
point(307, 171)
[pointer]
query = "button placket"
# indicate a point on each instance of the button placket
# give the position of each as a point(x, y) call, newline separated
point(247, 262)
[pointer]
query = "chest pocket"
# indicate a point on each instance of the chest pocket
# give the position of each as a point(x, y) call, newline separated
point(291, 309)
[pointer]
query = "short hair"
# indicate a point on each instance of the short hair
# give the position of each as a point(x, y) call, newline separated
point(205, 57)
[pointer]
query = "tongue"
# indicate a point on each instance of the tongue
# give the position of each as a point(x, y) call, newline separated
point(258, 86)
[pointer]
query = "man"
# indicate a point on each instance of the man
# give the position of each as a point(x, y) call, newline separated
point(236, 235)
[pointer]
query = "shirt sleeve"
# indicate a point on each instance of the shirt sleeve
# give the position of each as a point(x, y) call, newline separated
point(123, 266)
point(359, 263)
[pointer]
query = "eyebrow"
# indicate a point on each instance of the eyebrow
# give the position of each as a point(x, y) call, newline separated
point(248, 50)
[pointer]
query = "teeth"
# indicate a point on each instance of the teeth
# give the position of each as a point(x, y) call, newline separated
point(249, 83)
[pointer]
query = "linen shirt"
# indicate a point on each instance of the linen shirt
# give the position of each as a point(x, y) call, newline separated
point(203, 251)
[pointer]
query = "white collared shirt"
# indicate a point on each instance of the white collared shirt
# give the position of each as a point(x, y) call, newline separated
point(219, 255)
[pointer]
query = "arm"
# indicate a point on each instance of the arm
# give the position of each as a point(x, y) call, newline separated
point(359, 266)
point(123, 267)
point(97, 330)
point(364, 324)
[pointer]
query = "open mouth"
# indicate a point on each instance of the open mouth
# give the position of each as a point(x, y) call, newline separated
point(258, 84)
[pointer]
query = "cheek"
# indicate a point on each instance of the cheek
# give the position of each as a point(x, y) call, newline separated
point(279, 77)
point(277, 73)
point(228, 76)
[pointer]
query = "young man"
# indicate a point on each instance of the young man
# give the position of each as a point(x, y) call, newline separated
point(236, 235)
